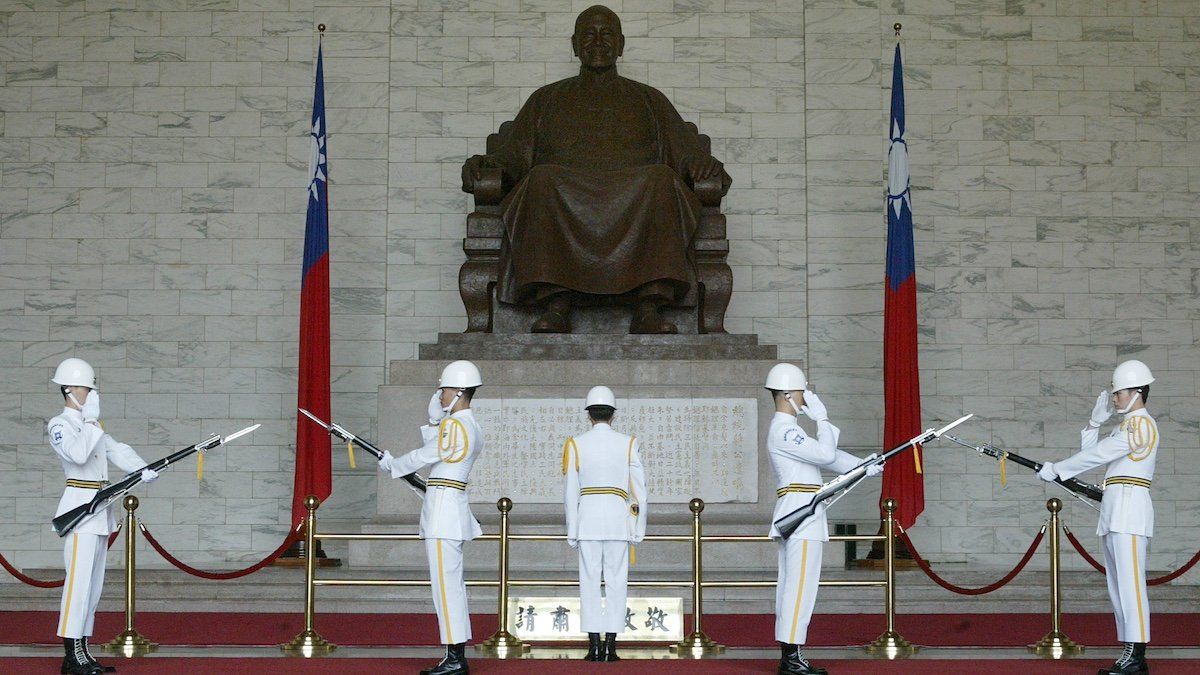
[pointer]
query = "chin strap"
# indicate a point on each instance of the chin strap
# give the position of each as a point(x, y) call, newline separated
point(788, 396)
point(1132, 399)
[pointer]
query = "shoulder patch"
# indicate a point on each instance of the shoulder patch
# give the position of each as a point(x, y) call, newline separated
point(56, 434)
point(794, 435)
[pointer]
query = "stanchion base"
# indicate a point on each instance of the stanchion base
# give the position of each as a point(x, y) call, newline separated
point(696, 645)
point(503, 645)
point(1055, 645)
point(307, 644)
point(130, 644)
point(890, 645)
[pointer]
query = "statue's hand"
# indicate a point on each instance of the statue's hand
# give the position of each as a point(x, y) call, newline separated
point(699, 168)
point(472, 171)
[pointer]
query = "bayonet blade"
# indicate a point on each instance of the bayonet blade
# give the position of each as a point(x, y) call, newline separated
point(239, 434)
point(948, 427)
point(314, 418)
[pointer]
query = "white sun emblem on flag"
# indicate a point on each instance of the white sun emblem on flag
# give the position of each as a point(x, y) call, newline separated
point(317, 162)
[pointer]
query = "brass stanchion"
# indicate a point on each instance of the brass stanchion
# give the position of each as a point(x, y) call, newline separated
point(309, 643)
point(130, 642)
point(503, 644)
point(697, 644)
point(1055, 644)
point(890, 644)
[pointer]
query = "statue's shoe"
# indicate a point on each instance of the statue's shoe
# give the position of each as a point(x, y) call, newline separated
point(551, 322)
point(651, 322)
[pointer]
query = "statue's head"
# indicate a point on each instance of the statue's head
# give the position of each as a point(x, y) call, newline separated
point(598, 40)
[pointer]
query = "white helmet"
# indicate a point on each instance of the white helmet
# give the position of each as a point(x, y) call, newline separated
point(1130, 375)
point(600, 396)
point(74, 372)
point(460, 375)
point(786, 377)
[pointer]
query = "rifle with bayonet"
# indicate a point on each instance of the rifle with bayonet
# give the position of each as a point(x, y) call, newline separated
point(414, 480)
point(66, 522)
point(1076, 487)
point(838, 487)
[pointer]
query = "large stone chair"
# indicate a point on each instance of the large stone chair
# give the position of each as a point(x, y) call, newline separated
point(702, 310)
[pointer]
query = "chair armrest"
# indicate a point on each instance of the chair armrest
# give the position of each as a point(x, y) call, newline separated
point(709, 191)
point(489, 189)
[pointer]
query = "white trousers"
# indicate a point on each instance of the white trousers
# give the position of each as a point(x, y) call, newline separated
point(796, 588)
point(84, 555)
point(1125, 560)
point(449, 589)
point(610, 558)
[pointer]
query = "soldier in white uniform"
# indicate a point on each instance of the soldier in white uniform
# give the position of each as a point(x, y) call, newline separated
point(453, 441)
point(85, 450)
point(605, 503)
point(798, 459)
point(1126, 512)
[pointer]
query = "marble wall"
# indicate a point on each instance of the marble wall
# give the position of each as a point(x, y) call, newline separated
point(152, 169)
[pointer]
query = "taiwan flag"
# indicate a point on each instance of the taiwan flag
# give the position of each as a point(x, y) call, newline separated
point(314, 473)
point(902, 479)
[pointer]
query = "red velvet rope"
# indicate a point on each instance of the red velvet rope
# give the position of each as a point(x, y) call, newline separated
point(972, 591)
point(221, 576)
point(26, 579)
point(1166, 578)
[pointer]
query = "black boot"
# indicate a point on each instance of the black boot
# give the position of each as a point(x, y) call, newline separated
point(792, 662)
point(610, 647)
point(1131, 662)
point(75, 662)
point(91, 659)
point(455, 662)
point(595, 648)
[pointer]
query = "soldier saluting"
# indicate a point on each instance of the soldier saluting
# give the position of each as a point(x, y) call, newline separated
point(453, 441)
point(1126, 512)
point(605, 503)
point(85, 450)
point(797, 459)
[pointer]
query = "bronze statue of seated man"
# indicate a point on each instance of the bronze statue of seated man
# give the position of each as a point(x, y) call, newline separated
point(601, 210)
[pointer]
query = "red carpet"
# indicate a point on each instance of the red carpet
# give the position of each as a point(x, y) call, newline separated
point(734, 630)
point(258, 666)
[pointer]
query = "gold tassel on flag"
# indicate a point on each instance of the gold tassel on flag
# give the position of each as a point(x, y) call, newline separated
point(350, 451)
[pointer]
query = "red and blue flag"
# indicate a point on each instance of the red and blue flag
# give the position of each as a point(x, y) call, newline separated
point(314, 471)
point(902, 479)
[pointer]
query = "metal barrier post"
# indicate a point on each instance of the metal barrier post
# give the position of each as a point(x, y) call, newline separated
point(130, 642)
point(503, 644)
point(697, 644)
point(309, 643)
point(1055, 644)
point(890, 644)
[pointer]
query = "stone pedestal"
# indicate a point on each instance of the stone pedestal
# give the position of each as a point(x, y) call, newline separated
point(402, 406)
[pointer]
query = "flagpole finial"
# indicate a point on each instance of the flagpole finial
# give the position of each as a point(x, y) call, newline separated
point(321, 27)
point(896, 27)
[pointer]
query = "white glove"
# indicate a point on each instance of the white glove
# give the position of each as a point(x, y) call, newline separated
point(148, 475)
point(91, 406)
point(1100, 412)
point(874, 469)
point(814, 408)
point(573, 543)
point(1047, 472)
point(436, 413)
point(385, 463)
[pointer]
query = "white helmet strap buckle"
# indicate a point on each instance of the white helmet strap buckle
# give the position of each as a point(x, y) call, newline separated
point(788, 395)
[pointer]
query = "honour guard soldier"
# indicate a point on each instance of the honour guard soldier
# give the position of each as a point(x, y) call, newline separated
point(605, 503)
point(797, 459)
point(453, 441)
point(1126, 513)
point(85, 451)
